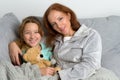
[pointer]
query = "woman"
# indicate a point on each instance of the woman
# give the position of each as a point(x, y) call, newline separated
point(77, 48)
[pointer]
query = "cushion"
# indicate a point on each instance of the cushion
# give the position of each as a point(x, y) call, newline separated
point(8, 32)
point(109, 29)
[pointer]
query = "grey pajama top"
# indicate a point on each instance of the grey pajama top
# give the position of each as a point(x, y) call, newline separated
point(80, 56)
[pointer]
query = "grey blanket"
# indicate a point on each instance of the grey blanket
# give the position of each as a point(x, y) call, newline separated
point(31, 72)
point(24, 72)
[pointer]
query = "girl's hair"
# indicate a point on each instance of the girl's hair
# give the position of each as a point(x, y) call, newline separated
point(30, 19)
point(52, 34)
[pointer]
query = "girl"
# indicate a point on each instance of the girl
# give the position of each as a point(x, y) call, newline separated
point(30, 36)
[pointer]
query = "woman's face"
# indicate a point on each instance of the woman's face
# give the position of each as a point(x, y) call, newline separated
point(61, 22)
point(31, 35)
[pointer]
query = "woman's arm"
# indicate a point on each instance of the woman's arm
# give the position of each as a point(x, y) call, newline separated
point(14, 50)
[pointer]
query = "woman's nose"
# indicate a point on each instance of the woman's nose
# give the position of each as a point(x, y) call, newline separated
point(59, 25)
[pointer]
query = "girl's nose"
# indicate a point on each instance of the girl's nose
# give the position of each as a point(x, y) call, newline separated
point(32, 35)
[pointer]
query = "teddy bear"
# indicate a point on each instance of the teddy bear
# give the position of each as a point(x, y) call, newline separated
point(34, 56)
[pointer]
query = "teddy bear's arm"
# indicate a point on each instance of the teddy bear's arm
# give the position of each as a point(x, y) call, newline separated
point(47, 63)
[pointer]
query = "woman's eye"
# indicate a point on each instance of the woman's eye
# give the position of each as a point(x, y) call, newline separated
point(60, 19)
point(53, 24)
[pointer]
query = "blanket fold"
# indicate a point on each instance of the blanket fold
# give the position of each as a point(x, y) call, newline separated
point(24, 72)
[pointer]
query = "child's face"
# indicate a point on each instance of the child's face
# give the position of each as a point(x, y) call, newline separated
point(31, 35)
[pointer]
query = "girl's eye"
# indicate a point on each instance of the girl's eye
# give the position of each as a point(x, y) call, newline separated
point(36, 32)
point(26, 32)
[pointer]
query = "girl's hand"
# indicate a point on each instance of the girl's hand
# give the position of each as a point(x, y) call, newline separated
point(14, 50)
point(47, 71)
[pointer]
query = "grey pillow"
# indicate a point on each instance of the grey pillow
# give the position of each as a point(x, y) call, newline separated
point(8, 28)
point(109, 29)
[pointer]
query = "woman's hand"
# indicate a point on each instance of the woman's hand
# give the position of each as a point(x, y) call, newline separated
point(14, 50)
point(47, 71)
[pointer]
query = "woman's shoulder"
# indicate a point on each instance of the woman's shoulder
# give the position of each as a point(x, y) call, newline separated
point(89, 29)
point(89, 32)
